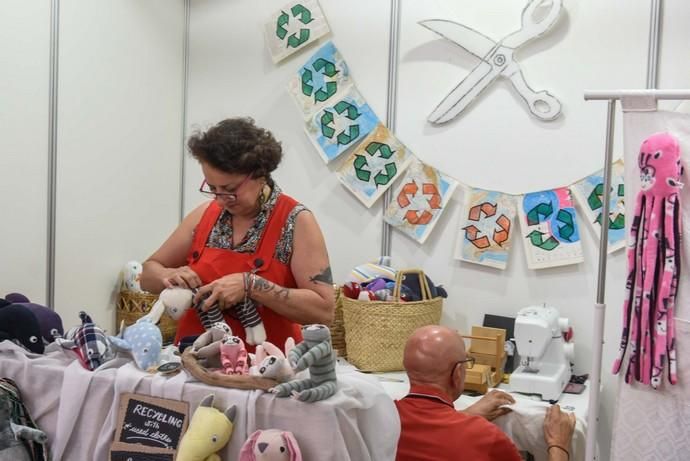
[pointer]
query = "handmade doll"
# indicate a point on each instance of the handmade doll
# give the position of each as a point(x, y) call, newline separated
point(271, 445)
point(19, 325)
point(653, 265)
point(177, 300)
point(271, 362)
point(209, 430)
point(233, 356)
point(48, 320)
point(11, 435)
point(89, 342)
point(315, 353)
point(143, 339)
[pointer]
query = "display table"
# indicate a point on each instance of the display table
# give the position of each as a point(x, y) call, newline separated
point(78, 408)
point(524, 424)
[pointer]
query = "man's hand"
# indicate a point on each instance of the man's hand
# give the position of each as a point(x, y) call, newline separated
point(489, 406)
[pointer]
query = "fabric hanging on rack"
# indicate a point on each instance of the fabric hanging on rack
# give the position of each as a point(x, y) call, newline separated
point(651, 424)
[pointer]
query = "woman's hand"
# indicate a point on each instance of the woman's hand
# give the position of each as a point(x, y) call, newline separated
point(491, 405)
point(225, 291)
point(558, 428)
point(183, 277)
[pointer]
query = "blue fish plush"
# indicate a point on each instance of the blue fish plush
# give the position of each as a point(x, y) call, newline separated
point(143, 339)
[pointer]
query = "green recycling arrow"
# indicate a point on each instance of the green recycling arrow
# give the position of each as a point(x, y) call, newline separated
point(326, 120)
point(307, 80)
point(346, 138)
point(537, 239)
point(344, 106)
point(384, 150)
point(614, 224)
point(283, 20)
point(594, 202)
point(568, 228)
point(359, 164)
point(381, 178)
point(543, 209)
point(300, 13)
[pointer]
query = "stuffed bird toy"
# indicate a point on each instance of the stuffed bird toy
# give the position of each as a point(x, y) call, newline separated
point(271, 445)
point(20, 325)
point(208, 432)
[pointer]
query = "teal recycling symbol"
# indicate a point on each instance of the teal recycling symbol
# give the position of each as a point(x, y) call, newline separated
point(300, 13)
point(383, 176)
point(325, 68)
point(346, 110)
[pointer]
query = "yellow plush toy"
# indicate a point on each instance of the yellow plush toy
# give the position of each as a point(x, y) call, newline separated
point(208, 432)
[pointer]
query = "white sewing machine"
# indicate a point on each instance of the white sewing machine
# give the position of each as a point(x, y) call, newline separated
point(544, 355)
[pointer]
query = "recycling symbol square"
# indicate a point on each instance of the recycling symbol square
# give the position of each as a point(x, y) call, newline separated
point(293, 27)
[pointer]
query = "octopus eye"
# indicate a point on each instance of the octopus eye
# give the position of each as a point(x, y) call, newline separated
point(657, 154)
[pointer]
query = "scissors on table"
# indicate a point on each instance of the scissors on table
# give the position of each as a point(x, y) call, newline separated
point(496, 60)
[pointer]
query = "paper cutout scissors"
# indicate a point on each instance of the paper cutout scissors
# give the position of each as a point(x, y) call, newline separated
point(496, 60)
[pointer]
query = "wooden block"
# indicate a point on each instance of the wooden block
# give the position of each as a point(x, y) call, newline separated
point(479, 346)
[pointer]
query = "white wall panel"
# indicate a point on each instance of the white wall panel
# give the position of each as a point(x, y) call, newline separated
point(24, 84)
point(119, 135)
point(231, 74)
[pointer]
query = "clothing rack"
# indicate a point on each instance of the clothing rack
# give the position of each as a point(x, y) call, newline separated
point(600, 305)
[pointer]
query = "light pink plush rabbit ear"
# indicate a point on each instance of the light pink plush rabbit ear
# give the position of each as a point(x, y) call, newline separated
point(259, 354)
point(289, 345)
point(247, 451)
point(293, 448)
point(271, 349)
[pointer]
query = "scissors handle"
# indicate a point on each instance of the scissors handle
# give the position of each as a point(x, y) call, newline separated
point(532, 28)
point(542, 104)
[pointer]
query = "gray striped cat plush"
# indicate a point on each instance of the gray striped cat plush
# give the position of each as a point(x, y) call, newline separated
point(315, 353)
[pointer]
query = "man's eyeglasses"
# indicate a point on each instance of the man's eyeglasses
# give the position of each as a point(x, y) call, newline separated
point(209, 191)
point(468, 363)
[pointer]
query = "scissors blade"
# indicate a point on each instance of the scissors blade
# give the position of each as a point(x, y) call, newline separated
point(469, 39)
point(462, 95)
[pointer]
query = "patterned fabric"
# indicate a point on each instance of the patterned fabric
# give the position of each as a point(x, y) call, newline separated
point(221, 234)
point(20, 415)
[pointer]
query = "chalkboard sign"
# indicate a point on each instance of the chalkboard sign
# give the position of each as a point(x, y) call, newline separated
point(127, 452)
point(150, 421)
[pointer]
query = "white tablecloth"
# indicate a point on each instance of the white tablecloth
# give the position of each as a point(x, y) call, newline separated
point(78, 408)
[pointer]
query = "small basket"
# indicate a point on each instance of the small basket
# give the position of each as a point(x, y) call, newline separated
point(132, 305)
point(338, 326)
point(376, 331)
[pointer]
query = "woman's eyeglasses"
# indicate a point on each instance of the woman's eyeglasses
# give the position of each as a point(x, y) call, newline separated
point(210, 191)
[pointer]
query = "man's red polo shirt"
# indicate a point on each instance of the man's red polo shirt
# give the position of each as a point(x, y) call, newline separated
point(432, 429)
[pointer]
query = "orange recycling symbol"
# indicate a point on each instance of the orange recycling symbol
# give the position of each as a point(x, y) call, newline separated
point(410, 190)
point(472, 233)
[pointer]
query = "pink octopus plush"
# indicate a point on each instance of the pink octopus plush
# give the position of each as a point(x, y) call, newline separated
point(653, 265)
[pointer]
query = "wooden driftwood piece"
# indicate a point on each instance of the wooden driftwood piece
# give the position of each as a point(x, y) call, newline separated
point(216, 378)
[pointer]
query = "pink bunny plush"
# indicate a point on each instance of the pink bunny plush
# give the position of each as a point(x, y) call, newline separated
point(271, 362)
point(233, 356)
point(271, 445)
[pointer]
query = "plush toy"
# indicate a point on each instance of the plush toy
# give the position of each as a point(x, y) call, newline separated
point(271, 445)
point(89, 342)
point(208, 432)
point(11, 447)
point(20, 417)
point(48, 320)
point(233, 356)
point(20, 325)
point(177, 300)
point(131, 276)
point(654, 252)
point(143, 339)
point(271, 362)
point(315, 353)
point(207, 346)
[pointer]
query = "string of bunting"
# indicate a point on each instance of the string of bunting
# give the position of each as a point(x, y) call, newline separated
point(337, 120)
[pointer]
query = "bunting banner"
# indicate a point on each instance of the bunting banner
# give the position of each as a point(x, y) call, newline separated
point(419, 200)
point(319, 80)
point(373, 166)
point(588, 193)
point(341, 125)
point(549, 229)
point(486, 228)
point(295, 26)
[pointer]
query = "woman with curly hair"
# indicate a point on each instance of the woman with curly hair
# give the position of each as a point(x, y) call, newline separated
point(251, 242)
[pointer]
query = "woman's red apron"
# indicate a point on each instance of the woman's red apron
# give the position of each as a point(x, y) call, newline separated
point(213, 263)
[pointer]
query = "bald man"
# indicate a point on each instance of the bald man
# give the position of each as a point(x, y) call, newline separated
point(432, 429)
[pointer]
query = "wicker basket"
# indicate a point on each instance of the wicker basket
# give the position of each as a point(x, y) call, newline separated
point(338, 326)
point(376, 331)
point(132, 305)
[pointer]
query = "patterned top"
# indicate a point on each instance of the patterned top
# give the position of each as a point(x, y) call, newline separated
point(221, 234)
